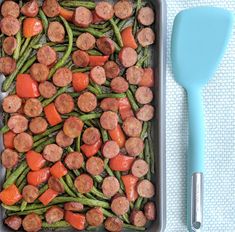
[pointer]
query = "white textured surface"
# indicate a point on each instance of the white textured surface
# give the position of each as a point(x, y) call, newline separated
point(219, 103)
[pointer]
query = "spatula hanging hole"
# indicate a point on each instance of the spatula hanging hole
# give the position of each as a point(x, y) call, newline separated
point(197, 225)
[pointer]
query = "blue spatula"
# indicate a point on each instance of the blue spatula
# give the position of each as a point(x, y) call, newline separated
point(200, 37)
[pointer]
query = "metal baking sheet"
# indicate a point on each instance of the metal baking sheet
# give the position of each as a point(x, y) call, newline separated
point(159, 62)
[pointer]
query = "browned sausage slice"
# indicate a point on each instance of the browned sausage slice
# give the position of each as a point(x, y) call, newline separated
point(63, 140)
point(11, 103)
point(56, 32)
point(110, 186)
point(30, 193)
point(55, 184)
point(52, 152)
point(9, 45)
point(123, 9)
point(73, 206)
point(132, 127)
point(104, 10)
point(9, 158)
point(110, 149)
point(51, 8)
point(109, 120)
point(39, 72)
point(150, 211)
point(23, 142)
point(109, 104)
point(94, 216)
point(128, 57)
point(138, 218)
point(54, 214)
point(139, 168)
point(9, 25)
point(7, 65)
point(64, 103)
point(32, 107)
point(82, 17)
point(10, 8)
point(120, 205)
point(30, 9)
point(145, 113)
point(134, 146)
point(47, 89)
point(119, 85)
point(145, 189)
point(113, 224)
point(84, 183)
point(105, 45)
point(32, 223)
point(62, 77)
point(97, 75)
point(134, 75)
point(144, 95)
point(18, 123)
point(146, 37)
point(85, 41)
point(95, 166)
point(146, 16)
point(80, 58)
point(87, 102)
point(111, 69)
point(38, 125)
point(74, 160)
point(91, 135)
point(13, 222)
point(46, 55)
point(73, 127)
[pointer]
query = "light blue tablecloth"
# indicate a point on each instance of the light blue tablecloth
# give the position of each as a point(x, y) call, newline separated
point(219, 98)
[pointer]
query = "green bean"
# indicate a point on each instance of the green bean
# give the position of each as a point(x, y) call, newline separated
point(99, 194)
point(133, 228)
point(78, 143)
point(142, 60)
point(35, 144)
point(4, 129)
point(138, 202)
point(22, 185)
point(116, 32)
point(8, 172)
point(37, 46)
point(104, 134)
point(107, 213)
point(97, 87)
point(122, 23)
point(151, 151)
point(23, 205)
point(100, 26)
point(60, 224)
point(133, 88)
point(70, 183)
point(94, 52)
point(16, 53)
point(28, 64)
point(36, 211)
point(87, 4)
point(92, 89)
point(67, 189)
point(95, 228)
point(41, 146)
point(25, 45)
point(144, 130)
point(13, 208)
point(98, 179)
point(132, 101)
point(118, 176)
point(81, 69)
point(147, 157)
point(126, 218)
point(138, 6)
point(76, 172)
point(43, 189)
point(89, 116)
point(44, 20)
point(111, 95)
point(22, 176)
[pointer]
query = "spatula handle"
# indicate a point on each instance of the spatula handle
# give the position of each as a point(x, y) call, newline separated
point(195, 160)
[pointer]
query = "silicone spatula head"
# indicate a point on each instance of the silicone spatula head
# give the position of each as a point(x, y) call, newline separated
point(200, 37)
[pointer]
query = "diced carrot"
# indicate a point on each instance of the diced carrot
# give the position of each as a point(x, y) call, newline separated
point(35, 160)
point(128, 38)
point(48, 196)
point(52, 115)
point(32, 27)
point(125, 109)
point(8, 139)
point(90, 150)
point(10, 195)
point(121, 163)
point(38, 177)
point(98, 60)
point(58, 170)
point(148, 78)
point(76, 220)
point(67, 14)
point(117, 135)
point(80, 81)
point(130, 183)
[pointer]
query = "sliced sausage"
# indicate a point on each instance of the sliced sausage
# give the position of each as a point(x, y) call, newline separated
point(63, 140)
point(111, 69)
point(9, 25)
point(146, 16)
point(11, 103)
point(23, 142)
point(146, 37)
point(97, 75)
point(109, 120)
point(46, 55)
point(95, 166)
point(39, 72)
point(80, 58)
point(145, 113)
point(82, 17)
point(87, 102)
point(144, 95)
point(104, 10)
point(51, 8)
point(91, 135)
point(138, 218)
point(56, 32)
point(120, 205)
point(55, 184)
point(30, 9)
point(47, 89)
point(150, 211)
point(85, 41)
point(134, 146)
point(148, 78)
point(7, 65)
point(134, 75)
point(110, 186)
point(123, 9)
point(132, 127)
point(128, 57)
point(74, 160)
point(52, 152)
point(73, 206)
point(9, 158)
point(110, 149)
point(119, 85)
point(38, 125)
point(73, 127)
point(113, 224)
point(13, 222)
point(32, 223)
point(64, 103)
point(30, 193)
point(10, 8)
point(84, 183)
point(145, 189)
point(9, 45)
point(18, 123)
point(54, 214)
point(62, 77)
point(94, 216)
point(139, 168)
point(33, 107)
point(105, 45)
point(109, 104)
